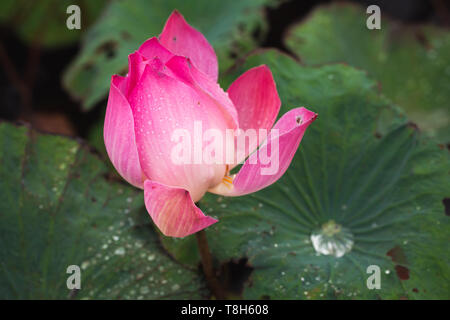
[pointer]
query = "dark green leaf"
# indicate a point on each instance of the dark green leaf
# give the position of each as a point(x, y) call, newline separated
point(360, 166)
point(58, 208)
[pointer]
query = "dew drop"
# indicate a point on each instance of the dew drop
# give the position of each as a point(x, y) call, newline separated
point(119, 251)
point(144, 290)
point(175, 287)
point(332, 239)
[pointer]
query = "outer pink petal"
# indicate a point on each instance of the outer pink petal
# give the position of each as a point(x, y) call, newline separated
point(183, 40)
point(173, 210)
point(182, 69)
point(160, 105)
point(291, 128)
point(118, 134)
point(256, 99)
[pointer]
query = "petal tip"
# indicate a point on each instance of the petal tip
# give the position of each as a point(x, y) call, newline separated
point(175, 12)
point(176, 17)
point(173, 211)
point(306, 116)
point(263, 67)
point(183, 39)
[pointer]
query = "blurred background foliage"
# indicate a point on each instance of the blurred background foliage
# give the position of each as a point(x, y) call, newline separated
point(39, 22)
point(410, 62)
point(376, 162)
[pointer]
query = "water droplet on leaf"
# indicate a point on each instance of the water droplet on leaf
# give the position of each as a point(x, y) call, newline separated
point(332, 239)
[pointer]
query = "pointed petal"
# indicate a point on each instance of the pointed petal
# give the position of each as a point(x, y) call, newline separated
point(136, 66)
point(182, 69)
point(152, 48)
point(162, 106)
point(183, 40)
point(258, 172)
point(118, 134)
point(255, 96)
point(173, 210)
point(120, 82)
point(149, 52)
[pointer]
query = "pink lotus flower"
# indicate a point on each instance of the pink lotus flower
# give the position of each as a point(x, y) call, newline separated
point(171, 83)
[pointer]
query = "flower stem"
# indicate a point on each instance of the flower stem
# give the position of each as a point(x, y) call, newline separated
point(207, 265)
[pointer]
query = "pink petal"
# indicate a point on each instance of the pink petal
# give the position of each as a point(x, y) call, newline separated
point(255, 96)
point(160, 105)
point(256, 99)
point(182, 69)
point(173, 210)
point(183, 40)
point(152, 48)
point(251, 178)
point(149, 52)
point(136, 65)
point(118, 134)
